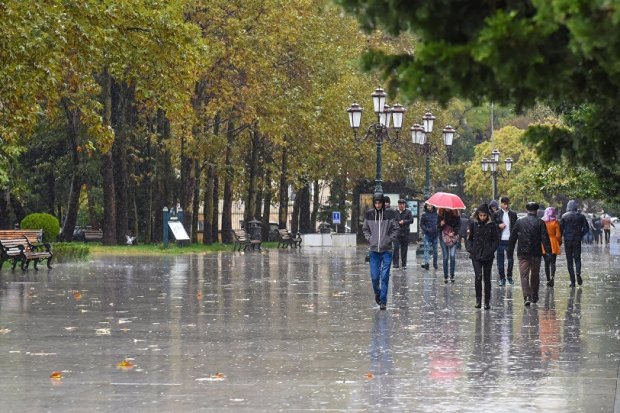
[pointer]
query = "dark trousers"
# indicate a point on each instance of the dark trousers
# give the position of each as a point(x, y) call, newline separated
point(501, 249)
point(482, 270)
point(529, 268)
point(401, 246)
point(573, 255)
point(550, 266)
point(607, 235)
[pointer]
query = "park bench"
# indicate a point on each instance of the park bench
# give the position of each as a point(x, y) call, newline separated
point(243, 240)
point(286, 239)
point(24, 246)
point(92, 235)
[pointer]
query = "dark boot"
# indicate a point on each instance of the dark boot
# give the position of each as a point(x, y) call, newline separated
point(550, 282)
point(478, 302)
point(487, 305)
point(579, 280)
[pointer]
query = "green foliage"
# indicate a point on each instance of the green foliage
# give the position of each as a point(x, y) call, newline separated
point(48, 223)
point(520, 53)
point(70, 251)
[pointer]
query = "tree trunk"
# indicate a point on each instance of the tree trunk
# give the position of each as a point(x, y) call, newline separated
point(107, 169)
point(304, 209)
point(18, 208)
point(316, 204)
point(122, 97)
point(50, 187)
point(283, 210)
point(207, 231)
point(266, 204)
point(228, 187)
point(196, 201)
point(355, 209)
point(5, 212)
point(295, 217)
point(215, 227)
point(92, 214)
point(250, 207)
point(73, 133)
point(188, 177)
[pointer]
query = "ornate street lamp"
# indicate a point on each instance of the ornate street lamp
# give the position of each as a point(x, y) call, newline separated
point(380, 131)
point(420, 136)
point(490, 165)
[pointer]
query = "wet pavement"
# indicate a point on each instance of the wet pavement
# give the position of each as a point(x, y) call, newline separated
point(299, 331)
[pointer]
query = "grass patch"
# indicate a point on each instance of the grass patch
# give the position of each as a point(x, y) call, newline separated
point(70, 251)
point(158, 249)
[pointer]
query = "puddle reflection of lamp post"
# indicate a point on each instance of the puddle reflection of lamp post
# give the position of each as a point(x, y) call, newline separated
point(489, 165)
point(379, 131)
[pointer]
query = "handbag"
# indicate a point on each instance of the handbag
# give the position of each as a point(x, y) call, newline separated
point(449, 236)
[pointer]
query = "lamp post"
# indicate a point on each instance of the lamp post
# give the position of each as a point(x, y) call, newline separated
point(420, 135)
point(380, 131)
point(490, 165)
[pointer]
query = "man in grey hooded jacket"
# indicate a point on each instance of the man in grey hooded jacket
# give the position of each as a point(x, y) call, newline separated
point(380, 230)
point(574, 226)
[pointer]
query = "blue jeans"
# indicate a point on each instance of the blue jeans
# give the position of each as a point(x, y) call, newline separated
point(428, 245)
point(448, 252)
point(380, 273)
point(503, 247)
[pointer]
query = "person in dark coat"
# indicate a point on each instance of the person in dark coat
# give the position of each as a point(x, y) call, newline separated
point(404, 218)
point(574, 226)
point(505, 218)
point(430, 233)
point(482, 243)
point(531, 233)
point(380, 230)
point(463, 230)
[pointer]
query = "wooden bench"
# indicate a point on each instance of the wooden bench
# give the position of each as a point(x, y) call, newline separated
point(243, 240)
point(92, 235)
point(286, 239)
point(24, 246)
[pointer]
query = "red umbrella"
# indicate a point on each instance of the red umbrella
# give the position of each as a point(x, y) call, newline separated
point(446, 200)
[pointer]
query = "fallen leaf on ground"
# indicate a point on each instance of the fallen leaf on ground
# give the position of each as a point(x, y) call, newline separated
point(125, 364)
point(77, 295)
point(56, 375)
point(369, 376)
point(4, 331)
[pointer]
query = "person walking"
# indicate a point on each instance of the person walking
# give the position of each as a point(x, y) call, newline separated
point(380, 230)
point(596, 226)
point(448, 223)
point(404, 217)
point(482, 242)
point(463, 230)
point(530, 232)
point(505, 218)
point(555, 238)
point(574, 226)
point(607, 224)
point(430, 234)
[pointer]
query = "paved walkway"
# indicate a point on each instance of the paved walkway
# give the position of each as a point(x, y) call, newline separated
point(299, 331)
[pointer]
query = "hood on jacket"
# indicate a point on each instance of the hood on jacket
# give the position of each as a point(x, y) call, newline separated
point(492, 204)
point(572, 205)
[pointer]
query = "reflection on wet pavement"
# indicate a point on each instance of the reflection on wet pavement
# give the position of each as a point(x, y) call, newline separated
point(299, 330)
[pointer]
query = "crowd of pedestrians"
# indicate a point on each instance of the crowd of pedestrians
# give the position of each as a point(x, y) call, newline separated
point(493, 230)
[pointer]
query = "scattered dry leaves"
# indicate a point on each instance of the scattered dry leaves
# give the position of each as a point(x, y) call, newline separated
point(369, 376)
point(125, 365)
point(56, 375)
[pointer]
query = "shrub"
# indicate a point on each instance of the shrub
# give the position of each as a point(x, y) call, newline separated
point(66, 251)
point(48, 223)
